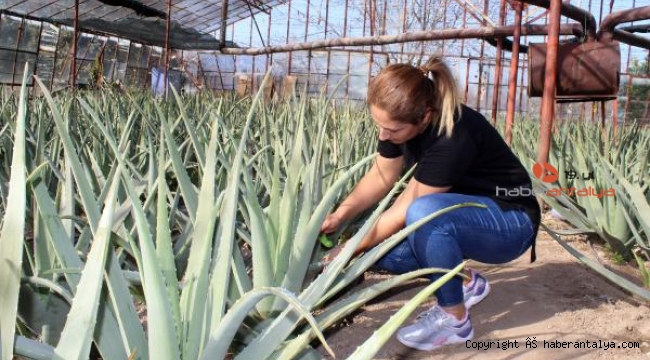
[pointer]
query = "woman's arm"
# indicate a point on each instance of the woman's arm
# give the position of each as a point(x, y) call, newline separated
point(373, 186)
point(391, 220)
point(394, 219)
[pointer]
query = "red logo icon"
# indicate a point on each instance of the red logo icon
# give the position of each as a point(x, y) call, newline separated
point(545, 172)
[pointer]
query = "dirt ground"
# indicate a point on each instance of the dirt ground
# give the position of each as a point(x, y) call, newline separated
point(553, 299)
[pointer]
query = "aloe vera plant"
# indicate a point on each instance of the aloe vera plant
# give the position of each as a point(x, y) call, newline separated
point(618, 163)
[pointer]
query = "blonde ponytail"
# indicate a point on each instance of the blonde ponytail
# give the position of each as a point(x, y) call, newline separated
point(446, 94)
point(407, 93)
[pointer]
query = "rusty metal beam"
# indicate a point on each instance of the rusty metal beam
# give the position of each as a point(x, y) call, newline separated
point(38, 53)
point(631, 39)
point(574, 29)
point(572, 12)
point(642, 28)
point(444, 24)
point(467, 80)
point(345, 34)
point(288, 35)
point(309, 55)
point(75, 41)
point(608, 29)
point(269, 57)
point(610, 21)
point(480, 63)
point(514, 67)
point(548, 98)
point(224, 19)
point(328, 60)
point(498, 71)
point(21, 28)
point(475, 33)
point(167, 30)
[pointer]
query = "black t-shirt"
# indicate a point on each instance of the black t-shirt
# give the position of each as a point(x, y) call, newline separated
point(475, 160)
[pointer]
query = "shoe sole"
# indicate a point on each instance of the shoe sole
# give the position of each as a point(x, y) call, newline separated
point(477, 299)
point(429, 347)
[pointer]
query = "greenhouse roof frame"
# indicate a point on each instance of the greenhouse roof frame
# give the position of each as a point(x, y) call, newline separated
point(194, 22)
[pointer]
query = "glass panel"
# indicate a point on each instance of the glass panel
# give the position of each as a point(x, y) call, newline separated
point(83, 73)
point(22, 59)
point(135, 53)
point(29, 37)
point(226, 63)
point(83, 45)
point(9, 32)
point(110, 51)
point(144, 59)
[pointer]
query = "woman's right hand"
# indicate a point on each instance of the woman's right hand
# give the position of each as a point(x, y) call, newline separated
point(331, 223)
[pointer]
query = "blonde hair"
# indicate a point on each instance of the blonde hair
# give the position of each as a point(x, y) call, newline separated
point(407, 93)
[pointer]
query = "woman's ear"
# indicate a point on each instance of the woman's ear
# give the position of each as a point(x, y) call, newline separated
point(428, 115)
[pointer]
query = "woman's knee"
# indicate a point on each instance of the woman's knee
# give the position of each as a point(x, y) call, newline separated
point(420, 208)
point(425, 206)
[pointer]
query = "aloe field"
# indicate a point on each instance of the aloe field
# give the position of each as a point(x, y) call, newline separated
point(139, 228)
point(201, 212)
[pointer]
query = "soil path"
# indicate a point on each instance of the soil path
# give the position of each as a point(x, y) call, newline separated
point(554, 299)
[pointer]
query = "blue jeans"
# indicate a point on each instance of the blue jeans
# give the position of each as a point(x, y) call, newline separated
point(488, 235)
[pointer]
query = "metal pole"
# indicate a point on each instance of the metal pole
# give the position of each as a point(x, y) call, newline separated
point(372, 33)
point(269, 57)
point(524, 69)
point(548, 97)
point(309, 52)
point(56, 52)
point(201, 72)
point(603, 116)
point(593, 112)
point(345, 33)
point(480, 63)
point(383, 25)
point(401, 57)
point(38, 52)
point(462, 41)
point(514, 67)
point(224, 25)
point(498, 70)
point(128, 55)
point(167, 29)
point(149, 57)
point(288, 34)
point(75, 36)
point(223, 86)
point(113, 60)
point(14, 67)
point(627, 97)
point(329, 53)
point(466, 80)
point(444, 25)
point(424, 27)
point(615, 116)
point(254, 57)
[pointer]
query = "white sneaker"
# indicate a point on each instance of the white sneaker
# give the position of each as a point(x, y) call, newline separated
point(477, 289)
point(434, 329)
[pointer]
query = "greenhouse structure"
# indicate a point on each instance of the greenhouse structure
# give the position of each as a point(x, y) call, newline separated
point(168, 169)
